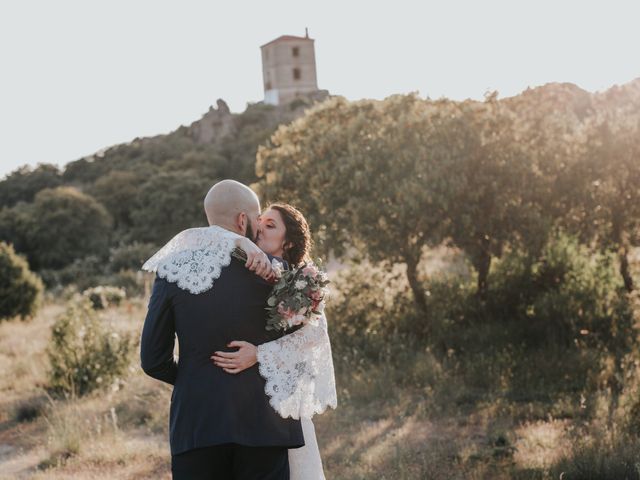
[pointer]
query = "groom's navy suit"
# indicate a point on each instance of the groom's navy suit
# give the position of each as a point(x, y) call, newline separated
point(210, 407)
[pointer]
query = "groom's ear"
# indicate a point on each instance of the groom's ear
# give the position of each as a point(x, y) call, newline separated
point(241, 222)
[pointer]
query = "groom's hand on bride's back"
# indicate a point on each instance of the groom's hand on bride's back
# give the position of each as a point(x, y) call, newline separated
point(235, 362)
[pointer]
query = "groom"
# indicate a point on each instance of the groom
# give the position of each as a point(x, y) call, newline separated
point(221, 425)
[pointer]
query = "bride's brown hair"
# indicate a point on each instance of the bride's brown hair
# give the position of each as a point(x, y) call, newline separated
point(297, 237)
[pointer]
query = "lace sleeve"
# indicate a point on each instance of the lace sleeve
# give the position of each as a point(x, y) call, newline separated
point(298, 369)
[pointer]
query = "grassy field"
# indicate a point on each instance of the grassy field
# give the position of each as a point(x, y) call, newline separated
point(445, 426)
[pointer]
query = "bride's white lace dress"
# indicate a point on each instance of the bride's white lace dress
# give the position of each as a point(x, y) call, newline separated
point(298, 369)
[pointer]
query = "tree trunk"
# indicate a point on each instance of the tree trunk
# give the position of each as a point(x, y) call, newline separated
point(483, 264)
point(623, 253)
point(416, 286)
point(616, 387)
point(620, 239)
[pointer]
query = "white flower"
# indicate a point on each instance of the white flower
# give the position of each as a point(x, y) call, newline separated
point(277, 266)
point(300, 284)
point(295, 320)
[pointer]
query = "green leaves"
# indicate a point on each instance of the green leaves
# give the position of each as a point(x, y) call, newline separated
point(20, 289)
point(391, 177)
point(61, 225)
point(85, 354)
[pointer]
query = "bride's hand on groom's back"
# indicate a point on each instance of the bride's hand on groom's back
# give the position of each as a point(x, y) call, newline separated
point(235, 362)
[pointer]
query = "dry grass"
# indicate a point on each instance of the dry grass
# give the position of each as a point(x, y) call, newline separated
point(378, 431)
point(116, 433)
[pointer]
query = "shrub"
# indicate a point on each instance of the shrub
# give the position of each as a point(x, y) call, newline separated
point(20, 289)
point(30, 408)
point(366, 307)
point(83, 272)
point(91, 271)
point(131, 256)
point(84, 353)
point(102, 297)
point(132, 282)
point(601, 459)
point(569, 292)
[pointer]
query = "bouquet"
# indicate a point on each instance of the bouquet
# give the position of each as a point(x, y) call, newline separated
point(297, 298)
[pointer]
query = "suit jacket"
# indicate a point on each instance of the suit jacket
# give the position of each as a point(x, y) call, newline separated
point(209, 406)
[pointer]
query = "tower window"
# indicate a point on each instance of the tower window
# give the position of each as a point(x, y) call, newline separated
point(295, 51)
point(267, 86)
point(296, 74)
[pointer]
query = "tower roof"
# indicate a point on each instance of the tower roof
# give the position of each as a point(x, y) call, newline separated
point(284, 38)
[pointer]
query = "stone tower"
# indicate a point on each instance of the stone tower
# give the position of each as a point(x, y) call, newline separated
point(288, 69)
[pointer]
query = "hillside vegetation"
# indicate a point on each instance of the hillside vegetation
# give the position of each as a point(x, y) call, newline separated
point(484, 316)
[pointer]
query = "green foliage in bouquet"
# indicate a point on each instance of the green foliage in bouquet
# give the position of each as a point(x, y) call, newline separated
point(84, 353)
point(297, 296)
point(20, 289)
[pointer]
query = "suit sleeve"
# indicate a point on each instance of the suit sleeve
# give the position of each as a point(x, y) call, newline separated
point(158, 336)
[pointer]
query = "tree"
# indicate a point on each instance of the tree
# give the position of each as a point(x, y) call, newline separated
point(548, 123)
point(362, 173)
point(117, 191)
point(20, 289)
point(605, 185)
point(14, 223)
point(64, 224)
point(22, 184)
point(395, 176)
point(493, 186)
point(168, 203)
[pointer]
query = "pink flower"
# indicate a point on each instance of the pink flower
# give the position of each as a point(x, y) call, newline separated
point(285, 312)
point(310, 271)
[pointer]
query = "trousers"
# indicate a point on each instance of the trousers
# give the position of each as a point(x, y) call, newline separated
point(231, 462)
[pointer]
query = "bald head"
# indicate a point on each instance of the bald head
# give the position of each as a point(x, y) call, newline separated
point(227, 200)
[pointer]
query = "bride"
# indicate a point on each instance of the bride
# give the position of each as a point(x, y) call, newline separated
point(297, 368)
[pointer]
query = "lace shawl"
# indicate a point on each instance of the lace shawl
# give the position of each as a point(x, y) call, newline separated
point(298, 369)
point(194, 258)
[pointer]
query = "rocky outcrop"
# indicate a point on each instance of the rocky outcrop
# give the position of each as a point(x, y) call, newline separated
point(214, 125)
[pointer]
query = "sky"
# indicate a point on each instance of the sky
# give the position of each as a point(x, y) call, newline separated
point(79, 76)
